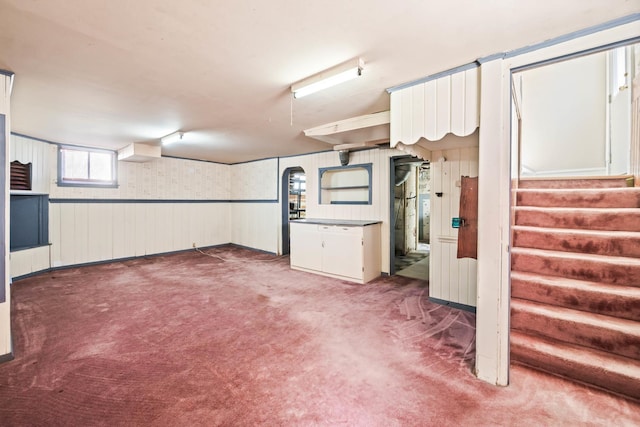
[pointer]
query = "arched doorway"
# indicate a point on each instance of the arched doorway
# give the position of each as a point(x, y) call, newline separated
point(294, 203)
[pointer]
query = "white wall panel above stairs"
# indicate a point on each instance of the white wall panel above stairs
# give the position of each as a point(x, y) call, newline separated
point(430, 110)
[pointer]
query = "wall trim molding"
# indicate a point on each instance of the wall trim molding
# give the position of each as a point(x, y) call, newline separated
point(453, 304)
point(7, 357)
point(142, 201)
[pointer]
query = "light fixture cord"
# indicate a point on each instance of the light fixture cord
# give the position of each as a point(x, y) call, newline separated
point(291, 112)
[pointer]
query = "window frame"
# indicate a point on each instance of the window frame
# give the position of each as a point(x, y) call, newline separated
point(69, 182)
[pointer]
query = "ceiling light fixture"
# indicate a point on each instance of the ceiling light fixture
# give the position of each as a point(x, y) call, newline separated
point(331, 77)
point(171, 138)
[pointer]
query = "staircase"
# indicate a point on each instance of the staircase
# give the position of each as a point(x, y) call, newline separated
point(575, 281)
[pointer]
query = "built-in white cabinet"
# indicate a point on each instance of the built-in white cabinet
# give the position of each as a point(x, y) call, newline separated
point(348, 250)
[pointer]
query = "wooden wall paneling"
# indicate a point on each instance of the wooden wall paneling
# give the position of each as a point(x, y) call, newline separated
point(180, 229)
point(472, 294)
point(472, 101)
point(217, 217)
point(443, 99)
point(28, 261)
point(99, 231)
point(140, 220)
point(430, 111)
point(208, 225)
point(458, 107)
point(20, 263)
point(254, 225)
point(196, 217)
point(450, 278)
point(81, 230)
point(67, 234)
point(164, 228)
point(418, 113)
point(406, 104)
point(54, 234)
point(123, 230)
point(150, 213)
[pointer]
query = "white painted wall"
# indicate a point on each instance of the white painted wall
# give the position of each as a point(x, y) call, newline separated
point(450, 278)
point(564, 117)
point(378, 210)
point(254, 223)
point(256, 180)
point(84, 232)
point(5, 315)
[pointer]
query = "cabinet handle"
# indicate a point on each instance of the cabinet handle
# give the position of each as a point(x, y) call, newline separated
point(323, 244)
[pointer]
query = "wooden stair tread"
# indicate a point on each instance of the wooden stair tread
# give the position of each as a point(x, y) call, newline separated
point(580, 285)
point(615, 243)
point(585, 232)
point(628, 327)
point(606, 259)
point(587, 211)
point(608, 371)
point(600, 359)
point(618, 181)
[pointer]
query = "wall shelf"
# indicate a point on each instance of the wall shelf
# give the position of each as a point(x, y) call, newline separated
point(345, 185)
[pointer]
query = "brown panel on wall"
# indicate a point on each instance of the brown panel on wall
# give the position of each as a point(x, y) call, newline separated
point(468, 231)
point(20, 176)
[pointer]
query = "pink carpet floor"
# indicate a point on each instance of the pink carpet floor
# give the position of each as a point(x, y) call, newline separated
point(238, 338)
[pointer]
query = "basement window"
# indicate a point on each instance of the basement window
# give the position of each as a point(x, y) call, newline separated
point(86, 167)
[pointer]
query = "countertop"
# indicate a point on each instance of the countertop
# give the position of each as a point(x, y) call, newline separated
point(342, 222)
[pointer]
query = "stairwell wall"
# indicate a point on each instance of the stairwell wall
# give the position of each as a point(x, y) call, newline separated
point(494, 186)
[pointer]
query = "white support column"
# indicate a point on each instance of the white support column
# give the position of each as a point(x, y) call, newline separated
point(492, 320)
point(6, 349)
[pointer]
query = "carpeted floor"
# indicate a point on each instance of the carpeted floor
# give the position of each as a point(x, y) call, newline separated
point(238, 338)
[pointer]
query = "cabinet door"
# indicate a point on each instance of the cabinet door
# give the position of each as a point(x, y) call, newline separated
point(306, 246)
point(342, 253)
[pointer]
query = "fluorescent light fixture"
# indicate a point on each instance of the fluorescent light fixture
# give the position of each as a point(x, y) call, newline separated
point(171, 138)
point(331, 77)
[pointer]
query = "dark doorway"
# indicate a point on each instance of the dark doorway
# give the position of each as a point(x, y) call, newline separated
point(294, 201)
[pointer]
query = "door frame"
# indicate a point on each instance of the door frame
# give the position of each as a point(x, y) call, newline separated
point(392, 211)
point(284, 208)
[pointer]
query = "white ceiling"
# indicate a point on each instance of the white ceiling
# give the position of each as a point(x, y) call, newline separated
point(108, 73)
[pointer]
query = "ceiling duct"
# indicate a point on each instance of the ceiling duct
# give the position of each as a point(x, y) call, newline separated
point(402, 173)
point(404, 167)
point(344, 157)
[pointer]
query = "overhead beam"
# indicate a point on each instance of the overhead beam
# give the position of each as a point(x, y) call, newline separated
point(354, 123)
point(360, 145)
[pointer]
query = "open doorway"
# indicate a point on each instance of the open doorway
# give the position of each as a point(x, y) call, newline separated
point(411, 218)
point(574, 115)
point(294, 201)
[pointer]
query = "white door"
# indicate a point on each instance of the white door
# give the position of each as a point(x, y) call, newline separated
point(342, 253)
point(619, 110)
point(306, 246)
